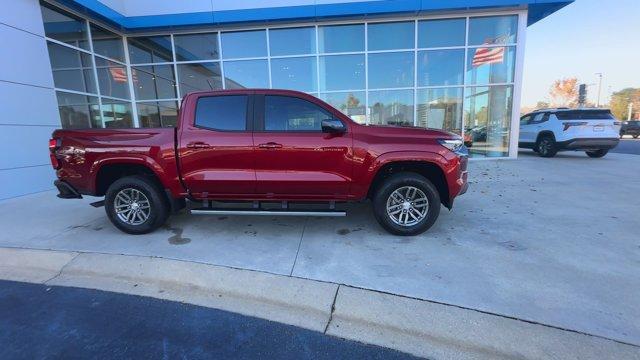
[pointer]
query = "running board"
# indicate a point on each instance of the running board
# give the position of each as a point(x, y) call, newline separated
point(210, 211)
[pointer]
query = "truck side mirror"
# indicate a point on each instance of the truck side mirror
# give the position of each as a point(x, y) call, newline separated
point(333, 126)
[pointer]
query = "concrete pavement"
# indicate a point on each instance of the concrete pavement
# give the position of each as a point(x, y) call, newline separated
point(422, 328)
point(550, 241)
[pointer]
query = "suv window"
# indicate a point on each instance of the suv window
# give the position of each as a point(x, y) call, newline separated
point(228, 112)
point(525, 119)
point(286, 113)
point(539, 118)
point(585, 115)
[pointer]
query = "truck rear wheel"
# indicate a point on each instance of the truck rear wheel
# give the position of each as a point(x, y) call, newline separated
point(406, 204)
point(136, 205)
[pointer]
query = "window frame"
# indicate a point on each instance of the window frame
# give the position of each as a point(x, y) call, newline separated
point(248, 121)
point(260, 115)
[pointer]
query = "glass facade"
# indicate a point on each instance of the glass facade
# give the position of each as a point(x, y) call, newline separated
point(456, 74)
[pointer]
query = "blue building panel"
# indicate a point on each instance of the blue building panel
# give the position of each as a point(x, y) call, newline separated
point(538, 9)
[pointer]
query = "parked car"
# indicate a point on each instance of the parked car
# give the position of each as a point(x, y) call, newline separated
point(261, 147)
point(548, 131)
point(630, 128)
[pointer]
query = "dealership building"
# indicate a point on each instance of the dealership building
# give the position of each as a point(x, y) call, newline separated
point(447, 64)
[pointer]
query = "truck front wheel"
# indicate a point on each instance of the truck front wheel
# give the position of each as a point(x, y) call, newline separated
point(136, 205)
point(406, 204)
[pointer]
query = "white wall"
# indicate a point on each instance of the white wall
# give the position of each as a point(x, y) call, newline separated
point(27, 100)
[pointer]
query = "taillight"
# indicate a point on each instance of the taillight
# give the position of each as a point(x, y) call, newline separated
point(54, 144)
point(569, 124)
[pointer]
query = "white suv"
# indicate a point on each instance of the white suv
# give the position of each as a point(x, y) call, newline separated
point(548, 131)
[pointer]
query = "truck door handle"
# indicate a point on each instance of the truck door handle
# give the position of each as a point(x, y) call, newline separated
point(197, 145)
point(270, 145)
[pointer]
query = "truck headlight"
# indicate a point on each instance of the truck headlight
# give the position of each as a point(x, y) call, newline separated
point(451, 144)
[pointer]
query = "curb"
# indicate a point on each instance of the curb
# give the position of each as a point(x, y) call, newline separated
point(418, 327)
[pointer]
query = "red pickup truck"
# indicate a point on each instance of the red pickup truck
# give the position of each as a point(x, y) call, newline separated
point(274, 150)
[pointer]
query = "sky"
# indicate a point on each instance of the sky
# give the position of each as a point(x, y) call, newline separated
point(580, 40)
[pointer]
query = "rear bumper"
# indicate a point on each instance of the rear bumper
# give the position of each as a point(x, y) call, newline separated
point(589, 143)
point(66, 191)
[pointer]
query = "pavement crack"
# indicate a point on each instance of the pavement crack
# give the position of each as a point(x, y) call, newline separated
point(333, 309)
point(61, 269)
point(304, 226)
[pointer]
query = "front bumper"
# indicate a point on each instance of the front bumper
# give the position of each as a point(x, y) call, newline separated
point(589, 144)
point(66, 191)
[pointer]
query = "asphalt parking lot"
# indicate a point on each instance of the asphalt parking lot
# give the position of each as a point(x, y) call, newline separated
point(552, 241)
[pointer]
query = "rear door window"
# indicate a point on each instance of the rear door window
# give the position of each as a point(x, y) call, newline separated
point(226, 112)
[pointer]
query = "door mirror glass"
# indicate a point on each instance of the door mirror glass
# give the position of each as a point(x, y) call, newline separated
point(333, 126)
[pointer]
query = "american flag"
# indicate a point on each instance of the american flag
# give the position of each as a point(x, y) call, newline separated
point(483, 56)
point(119, 75)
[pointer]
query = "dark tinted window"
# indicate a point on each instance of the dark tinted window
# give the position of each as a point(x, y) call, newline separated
point(284, 113)
point(222, 112)
point(585, 115)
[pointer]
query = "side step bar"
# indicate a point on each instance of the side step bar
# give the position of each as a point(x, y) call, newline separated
point(210, 211)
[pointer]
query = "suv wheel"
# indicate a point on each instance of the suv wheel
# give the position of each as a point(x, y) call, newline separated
point(136, 205)
point(547, 146)
point(597, 153)
point(406, 204)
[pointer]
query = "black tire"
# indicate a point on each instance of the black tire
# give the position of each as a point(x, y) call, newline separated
point(621, 134)
point(597, 153)
point(547, 146)
point(158, 205)
point(635, 136)
point(398, 181)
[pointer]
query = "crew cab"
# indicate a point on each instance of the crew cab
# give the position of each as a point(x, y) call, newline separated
point(547, 131)
point(279, 152)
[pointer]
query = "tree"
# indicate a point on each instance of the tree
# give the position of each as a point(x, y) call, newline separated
point(564, 92)
point(620, 103)
point(542, 105)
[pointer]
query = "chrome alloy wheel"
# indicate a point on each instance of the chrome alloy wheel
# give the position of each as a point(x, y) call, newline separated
point(132, 206)
point(407, 206)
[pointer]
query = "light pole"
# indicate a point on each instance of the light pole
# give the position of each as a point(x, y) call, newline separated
point(599, 88)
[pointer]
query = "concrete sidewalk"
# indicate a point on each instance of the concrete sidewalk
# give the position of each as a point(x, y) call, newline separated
point(414, 326)
point(549, 241)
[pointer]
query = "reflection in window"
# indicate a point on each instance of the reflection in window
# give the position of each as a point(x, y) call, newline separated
point(351, 104)
point(441, 33)
point(246, 74)
point(157, 113)
point(292, 41)
point(491, 65)
point(149, 49)
point(493, 30)
point(197, 77)
point(191, 47)
point(393, 35)
point(154, 82)
point(340, 38)
point(294, 73)
point(440, 67)
point(390, 70)
point(285, 113)
point(112, 79)
point(72, 69)
point(440, 108)
point(342, 72)
point(391, 107)
point(116, 114)
point(78, 111)
point(244, 44)
point(106, 43)
point(64, 27)
point(487, 113)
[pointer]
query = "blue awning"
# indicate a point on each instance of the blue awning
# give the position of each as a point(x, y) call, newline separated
point(538, 9)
